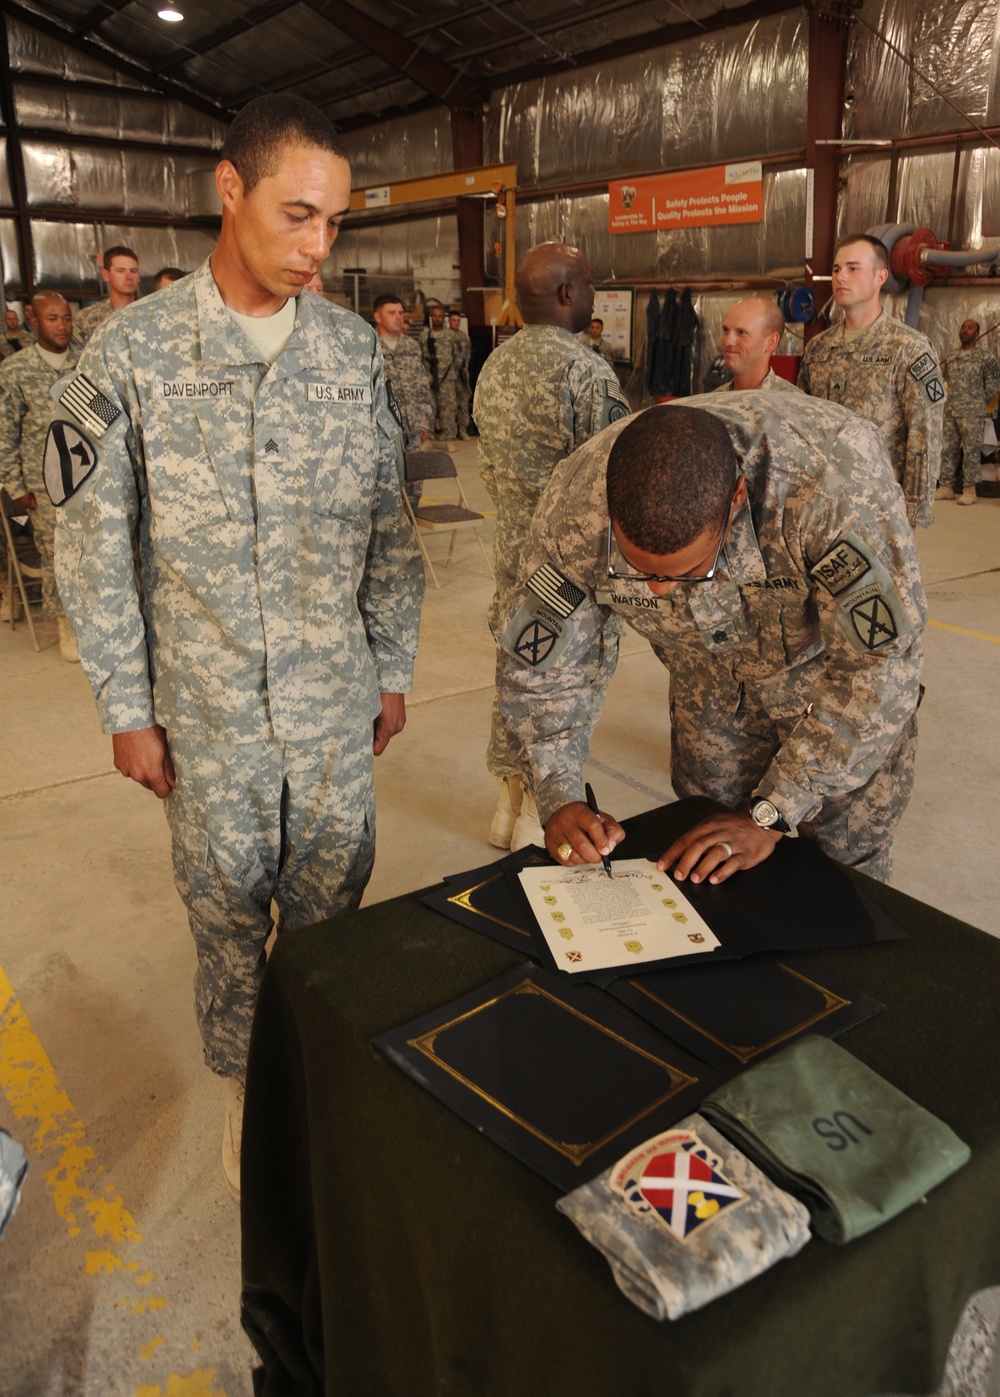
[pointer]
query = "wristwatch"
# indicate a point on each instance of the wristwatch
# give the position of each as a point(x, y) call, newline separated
point(768, 816)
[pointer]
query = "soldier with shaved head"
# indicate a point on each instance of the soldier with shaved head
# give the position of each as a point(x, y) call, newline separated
point(25, 409)
point(539, 397)
point(751, 333)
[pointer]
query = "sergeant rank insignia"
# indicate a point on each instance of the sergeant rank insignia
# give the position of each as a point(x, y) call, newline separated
point(676, 1182)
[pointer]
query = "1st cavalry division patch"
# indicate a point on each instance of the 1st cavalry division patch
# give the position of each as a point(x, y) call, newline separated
point(68, 461)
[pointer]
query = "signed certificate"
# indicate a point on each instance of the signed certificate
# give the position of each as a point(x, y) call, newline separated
point(593, 922)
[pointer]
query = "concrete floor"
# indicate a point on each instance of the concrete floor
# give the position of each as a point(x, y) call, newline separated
point(120, 1271)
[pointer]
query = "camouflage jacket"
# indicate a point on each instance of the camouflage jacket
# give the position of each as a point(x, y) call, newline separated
point(90, 318)
point(817, 607)
point(278, 587)
point(890, 375)
point(25, 409)
point(404, 373)
point(973, 376)
point(773, 383)
point(603, 347)
point(539, 396)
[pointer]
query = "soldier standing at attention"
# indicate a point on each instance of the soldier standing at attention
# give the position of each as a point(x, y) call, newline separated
point(121, 272)
point(441, 351)
point(881, 369)
point(25, 409)
point(539, 396)
point(757, 543)
point(464, 386)
point(751, 333)
point(973, 377)
point(404, 372)
point(251, 655)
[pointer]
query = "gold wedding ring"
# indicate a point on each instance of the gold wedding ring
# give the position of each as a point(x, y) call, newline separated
point(564, 851)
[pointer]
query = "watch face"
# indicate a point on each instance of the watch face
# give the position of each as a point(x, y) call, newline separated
point(764, 813)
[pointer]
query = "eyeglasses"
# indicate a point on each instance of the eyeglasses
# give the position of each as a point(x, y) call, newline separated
point(612, 572)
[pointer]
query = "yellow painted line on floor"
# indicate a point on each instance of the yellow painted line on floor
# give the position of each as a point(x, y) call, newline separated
point(963, 630)
point(91, 1208)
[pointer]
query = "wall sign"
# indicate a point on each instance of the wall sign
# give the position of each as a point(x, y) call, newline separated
point(688, 199)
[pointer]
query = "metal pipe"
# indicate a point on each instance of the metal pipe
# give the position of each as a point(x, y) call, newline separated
point(938, 257)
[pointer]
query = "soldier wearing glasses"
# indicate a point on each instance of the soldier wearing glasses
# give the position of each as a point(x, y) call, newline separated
point(765, 555)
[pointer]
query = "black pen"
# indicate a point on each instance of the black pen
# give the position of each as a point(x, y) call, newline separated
point(592, 802)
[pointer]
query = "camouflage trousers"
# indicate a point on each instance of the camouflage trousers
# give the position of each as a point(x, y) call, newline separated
point(446, 407)
point(502, 755)
point(961, 447)
point(43, 526)
point(252, 821)
point(721, 744)
point(463, 400)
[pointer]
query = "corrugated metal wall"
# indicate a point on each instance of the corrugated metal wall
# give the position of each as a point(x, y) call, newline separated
point(724, 96)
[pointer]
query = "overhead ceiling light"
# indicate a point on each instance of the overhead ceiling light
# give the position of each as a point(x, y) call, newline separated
point(171, 16)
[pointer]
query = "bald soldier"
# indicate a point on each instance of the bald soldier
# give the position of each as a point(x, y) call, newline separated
point(882, 369)
point(25, 408)
point(243, 582)
point(759, 544)
point(751, 333)
point(540, 396)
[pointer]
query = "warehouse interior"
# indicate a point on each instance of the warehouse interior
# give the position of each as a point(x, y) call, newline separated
point(120, 1271)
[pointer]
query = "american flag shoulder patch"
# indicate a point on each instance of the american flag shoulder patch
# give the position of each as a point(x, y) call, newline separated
point(89, 405)
point(555, 590)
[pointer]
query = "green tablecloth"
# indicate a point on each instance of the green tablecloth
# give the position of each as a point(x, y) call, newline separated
point(388, 1249)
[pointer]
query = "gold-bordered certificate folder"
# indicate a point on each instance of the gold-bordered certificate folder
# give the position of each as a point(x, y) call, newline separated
point(554, 1074)
point(736, 1013)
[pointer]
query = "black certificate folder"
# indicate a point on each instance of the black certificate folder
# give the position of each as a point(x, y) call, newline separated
point(564, 1083)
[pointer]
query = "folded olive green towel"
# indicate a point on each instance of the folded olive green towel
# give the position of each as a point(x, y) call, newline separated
point(837, 1135)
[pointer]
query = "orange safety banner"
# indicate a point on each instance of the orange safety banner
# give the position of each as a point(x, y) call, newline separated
point(689, 199)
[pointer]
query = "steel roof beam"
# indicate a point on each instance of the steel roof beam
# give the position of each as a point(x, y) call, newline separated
point(436, 77)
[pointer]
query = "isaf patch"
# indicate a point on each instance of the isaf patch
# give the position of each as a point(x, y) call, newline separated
point(89, 405)
point(921, 367)
point(70, 457)
point(839, 569)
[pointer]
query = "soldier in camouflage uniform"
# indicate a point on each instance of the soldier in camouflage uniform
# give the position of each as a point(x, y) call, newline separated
point(751, 332)
point(404, 372)
point(441, 350)
point(883, 370)
point(973, 377)
point(539, 396)
point(25, 408)
point(593, 338)
point(258, 659)
point(775, 576)
point(121, 273)
point(464, 384)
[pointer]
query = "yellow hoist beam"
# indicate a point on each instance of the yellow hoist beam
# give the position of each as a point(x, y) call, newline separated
point(480, 182)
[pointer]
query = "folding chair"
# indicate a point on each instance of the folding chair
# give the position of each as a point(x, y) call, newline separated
point(436, 518)
point(22, 564)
